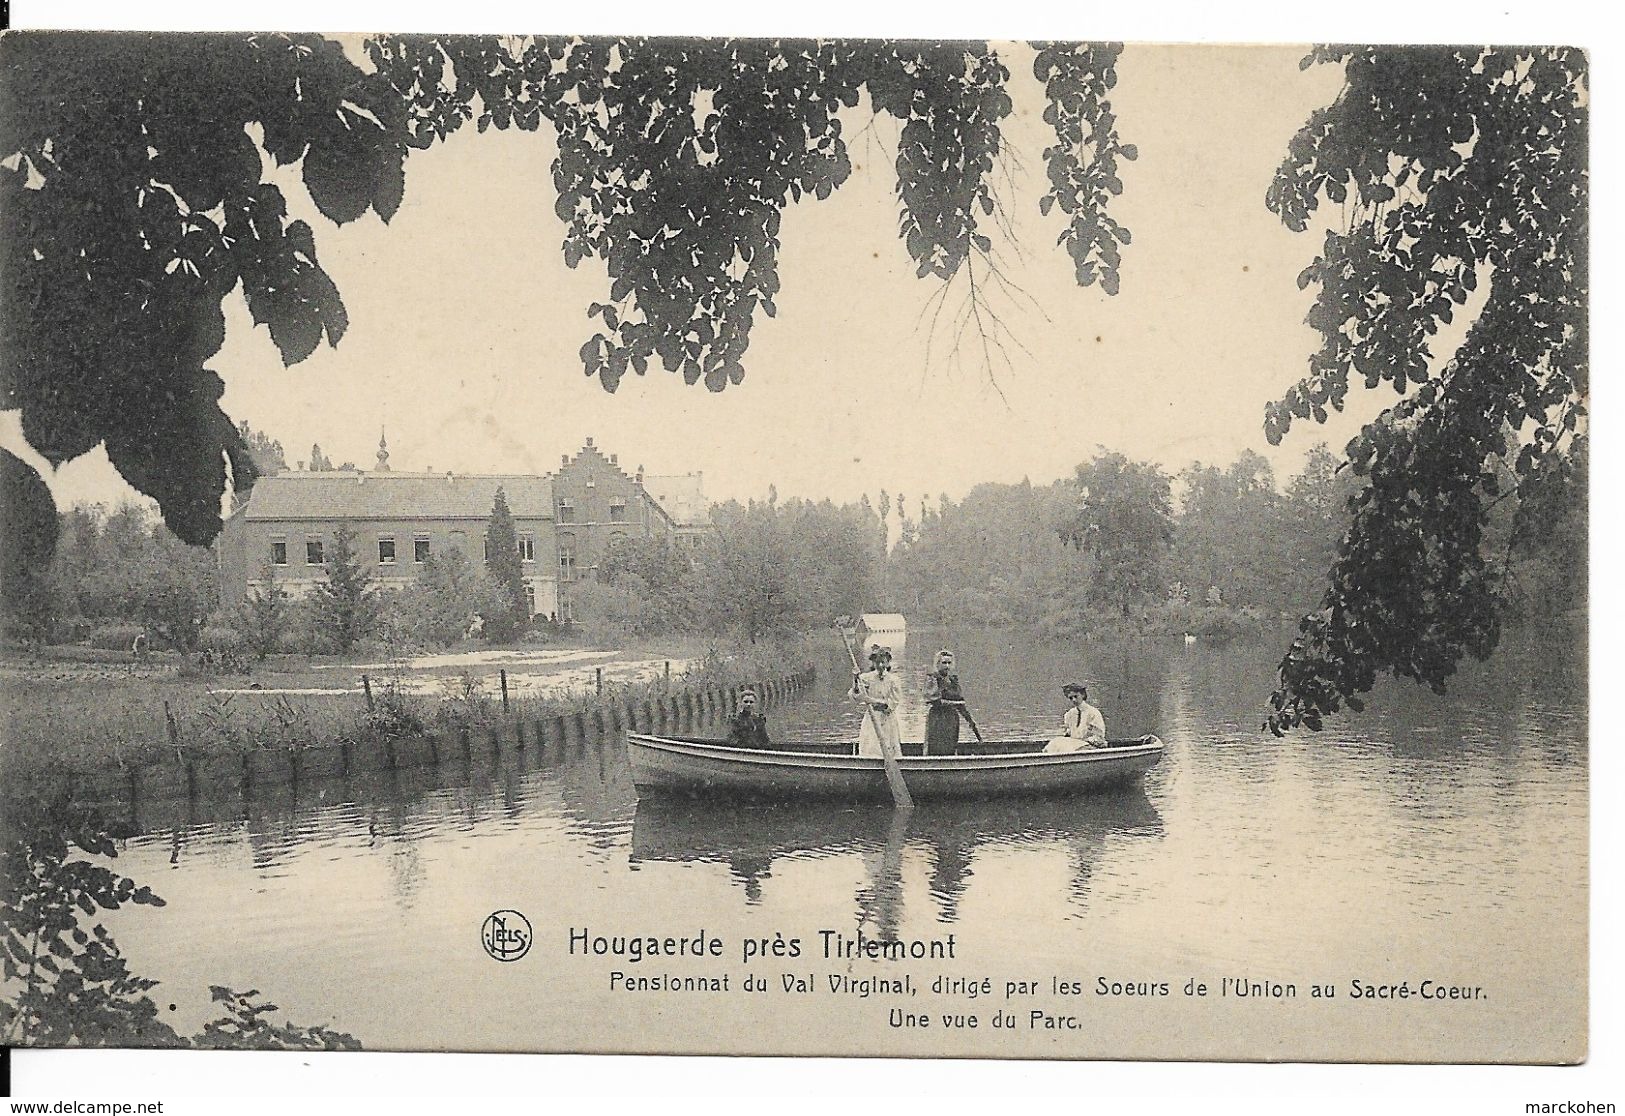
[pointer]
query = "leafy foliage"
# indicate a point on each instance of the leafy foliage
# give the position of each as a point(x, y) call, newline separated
point(1082, 163)
point(29, 527)
point(346, 602)
point(1124, 518)
point(1002, 554)
point(125, 566)
point(1452, 166)
point(71, 985)
point(245, 1026)
point(439, 607)
point(753, 567)
point(266, 616)
point(133, 199)
point(265, 451)
point(658, 588)
point(503, 563)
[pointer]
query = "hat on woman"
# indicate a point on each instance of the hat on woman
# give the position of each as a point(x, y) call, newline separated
point(878, 652)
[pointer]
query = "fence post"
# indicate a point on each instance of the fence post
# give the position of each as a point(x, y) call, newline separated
point(366, 687)
point(503, 674)
point(598, 678)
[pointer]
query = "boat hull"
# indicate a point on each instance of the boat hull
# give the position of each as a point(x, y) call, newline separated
point(666, 764)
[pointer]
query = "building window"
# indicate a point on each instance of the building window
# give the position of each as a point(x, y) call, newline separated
point(527, 547)
point(386, 550)
point(279, 552)
point(486, 543)
point(420, 548)
point(616, 539)
point(617, 511)
point(567, 557)
point(530, 598)
point(567, 510)
point(313, 552)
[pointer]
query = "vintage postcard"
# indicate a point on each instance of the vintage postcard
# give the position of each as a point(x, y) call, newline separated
point(1060, 550)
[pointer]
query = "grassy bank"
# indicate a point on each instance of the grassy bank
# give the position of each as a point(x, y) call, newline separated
point(78, 716)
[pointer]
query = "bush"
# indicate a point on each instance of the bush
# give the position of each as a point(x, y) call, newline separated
point(72, 629)
point(440, 607)
point(620, 611)
point(1224, 625)
point(221, 641)
point(120, 637)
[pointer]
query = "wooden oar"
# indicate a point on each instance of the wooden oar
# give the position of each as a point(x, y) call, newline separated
point(888, 747)
point(971, 721)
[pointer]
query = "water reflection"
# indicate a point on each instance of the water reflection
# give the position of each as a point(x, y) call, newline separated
point(752, 839)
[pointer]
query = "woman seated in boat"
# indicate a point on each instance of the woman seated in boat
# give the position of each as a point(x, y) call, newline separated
point(1082, 726)
point(877, 690)
point(946, 706)
point(748, 729)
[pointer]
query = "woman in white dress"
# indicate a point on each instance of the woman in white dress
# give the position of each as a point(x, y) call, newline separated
point(1082, 726)
point(879, 691)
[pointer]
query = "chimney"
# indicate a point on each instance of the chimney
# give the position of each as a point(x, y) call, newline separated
point(564, 460)
point(589, 441)
point(614, 460)
point(640, 474)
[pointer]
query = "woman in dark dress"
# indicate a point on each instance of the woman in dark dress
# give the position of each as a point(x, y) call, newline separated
point(947, 706)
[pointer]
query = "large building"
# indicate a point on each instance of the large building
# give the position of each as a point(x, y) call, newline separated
point(566, 523)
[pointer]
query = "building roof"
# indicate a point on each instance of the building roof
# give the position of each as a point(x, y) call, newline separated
point(681, 497)
point(391, 495)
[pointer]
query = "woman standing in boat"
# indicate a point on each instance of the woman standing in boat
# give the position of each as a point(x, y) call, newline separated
point(947, 706)
point(877, 689)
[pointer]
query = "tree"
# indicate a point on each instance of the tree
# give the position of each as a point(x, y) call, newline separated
point(263, 450)
point(1123, 517)
point(347, 604)
point(751, 563)
point(439, 608)
point(503, 563)
point(1226, 538)
point(318, 460)
point(659, 587)
point(1453, 167)
point(175, 589)
point(134, 199)
point(266, 615)
point(29, 527)
point(1314, 518)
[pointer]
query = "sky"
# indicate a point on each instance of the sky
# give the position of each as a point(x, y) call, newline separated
point(465, 322)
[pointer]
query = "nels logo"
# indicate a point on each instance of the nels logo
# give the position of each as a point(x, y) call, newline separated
point(506, 935)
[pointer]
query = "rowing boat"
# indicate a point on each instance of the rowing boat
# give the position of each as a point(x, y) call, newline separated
point(694, 765)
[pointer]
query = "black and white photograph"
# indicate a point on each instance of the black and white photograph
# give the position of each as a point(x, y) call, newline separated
point(843, 547)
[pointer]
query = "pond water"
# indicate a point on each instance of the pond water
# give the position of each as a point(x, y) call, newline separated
point(1427, 838)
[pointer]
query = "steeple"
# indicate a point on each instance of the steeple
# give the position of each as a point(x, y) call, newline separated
point(383, 452)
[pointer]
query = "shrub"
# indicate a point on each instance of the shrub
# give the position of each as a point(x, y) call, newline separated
point(221, 641)
point(120, 637)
